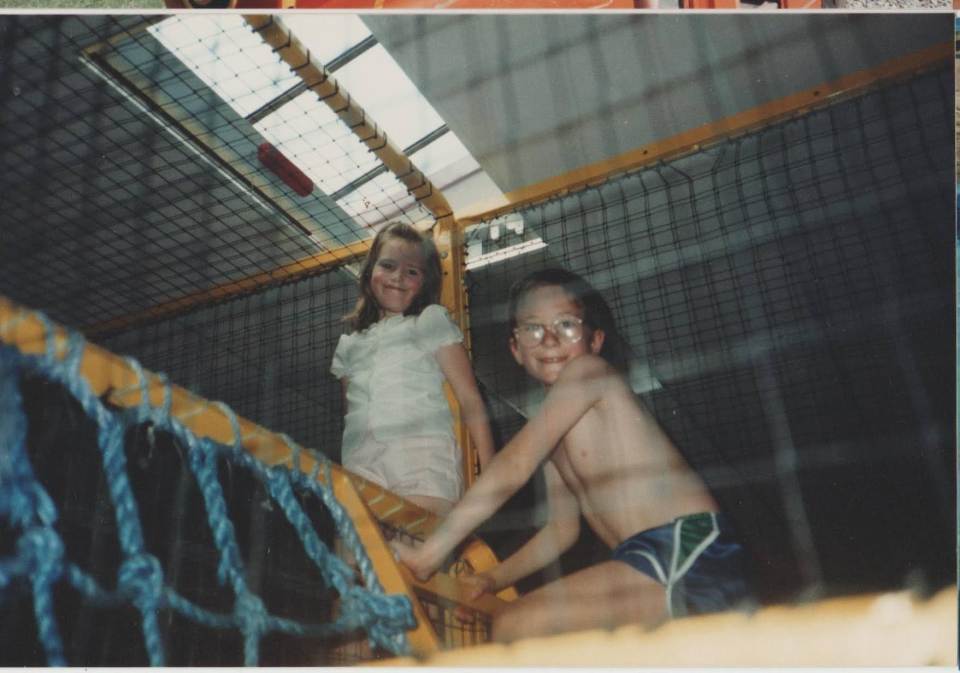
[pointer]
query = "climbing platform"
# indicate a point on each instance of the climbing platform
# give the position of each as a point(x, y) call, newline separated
point(378, 609)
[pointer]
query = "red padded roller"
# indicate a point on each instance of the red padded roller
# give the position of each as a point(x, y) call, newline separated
point(284, 169)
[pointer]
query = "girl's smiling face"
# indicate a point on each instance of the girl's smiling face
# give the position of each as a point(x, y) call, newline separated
point(397, 276)
point(544, 306)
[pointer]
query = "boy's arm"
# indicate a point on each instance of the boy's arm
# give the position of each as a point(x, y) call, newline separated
point(456, 368)
point(578, 388)
point(554, 538)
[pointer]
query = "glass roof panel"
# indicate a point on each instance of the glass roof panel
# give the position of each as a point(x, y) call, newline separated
point(387, 95)
point(382, 200)
point(228, 56)
point(310, 135)
point(327, 35)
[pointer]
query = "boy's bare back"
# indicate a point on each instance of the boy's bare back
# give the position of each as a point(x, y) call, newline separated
point(624, 471)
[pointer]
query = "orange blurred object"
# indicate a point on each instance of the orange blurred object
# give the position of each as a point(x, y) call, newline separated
point(477, 4)
point(735, 4)
point(401, 4)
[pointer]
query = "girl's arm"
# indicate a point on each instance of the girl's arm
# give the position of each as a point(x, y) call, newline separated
point(578, 388)
point(456, 367)
point(344, 383)
point(554, 538)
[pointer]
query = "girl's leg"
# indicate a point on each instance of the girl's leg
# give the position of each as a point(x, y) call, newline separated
point(606, 595)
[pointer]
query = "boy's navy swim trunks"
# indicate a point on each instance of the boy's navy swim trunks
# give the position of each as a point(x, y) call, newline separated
point(697, 559)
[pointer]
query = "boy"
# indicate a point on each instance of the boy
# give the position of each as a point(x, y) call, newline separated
point(603, 456)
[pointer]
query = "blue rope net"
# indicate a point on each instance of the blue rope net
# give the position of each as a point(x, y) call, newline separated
point(39, 560)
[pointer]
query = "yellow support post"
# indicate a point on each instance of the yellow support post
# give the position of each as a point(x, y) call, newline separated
point(448, 237)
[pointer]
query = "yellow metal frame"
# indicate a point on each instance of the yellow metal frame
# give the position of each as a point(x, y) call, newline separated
point(112, 377)
point(449, 241)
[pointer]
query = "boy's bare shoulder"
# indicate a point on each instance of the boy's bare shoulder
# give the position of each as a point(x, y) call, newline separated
point(592, 376)
point(586, 366)
point(589, 370)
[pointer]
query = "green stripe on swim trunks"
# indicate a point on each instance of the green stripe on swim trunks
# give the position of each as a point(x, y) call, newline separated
point(693, 531)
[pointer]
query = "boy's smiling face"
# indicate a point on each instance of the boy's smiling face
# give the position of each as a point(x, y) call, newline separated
point(544, 361)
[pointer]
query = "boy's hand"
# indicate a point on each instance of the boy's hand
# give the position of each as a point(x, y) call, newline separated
point(476, 586)
point(414, 559)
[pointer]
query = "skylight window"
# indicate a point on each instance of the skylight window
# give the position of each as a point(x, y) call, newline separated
point(232, 60)
point(236, 64)
point(313, 137)
point(329, 35)
point(446, 160)
point(387, 95)
point(380, 200)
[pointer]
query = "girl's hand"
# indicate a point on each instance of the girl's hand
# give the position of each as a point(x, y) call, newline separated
point(414, 558)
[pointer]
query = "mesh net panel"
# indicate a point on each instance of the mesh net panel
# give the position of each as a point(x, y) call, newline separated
point(129, 184)
point(137, 185)
point(785, 299)
point(265, 354)
point(159, 192)
point(173, 520)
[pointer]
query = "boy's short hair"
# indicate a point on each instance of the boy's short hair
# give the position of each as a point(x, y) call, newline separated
point(596, 311)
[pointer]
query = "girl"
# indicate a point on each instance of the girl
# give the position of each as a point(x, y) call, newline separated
point(398, 430)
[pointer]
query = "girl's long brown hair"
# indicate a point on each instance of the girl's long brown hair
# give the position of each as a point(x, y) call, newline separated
point(367, 311)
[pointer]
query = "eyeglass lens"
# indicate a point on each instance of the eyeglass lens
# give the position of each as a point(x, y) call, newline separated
point(565, 329)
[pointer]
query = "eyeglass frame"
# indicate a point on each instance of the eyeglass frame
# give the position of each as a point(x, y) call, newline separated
point(552, 328)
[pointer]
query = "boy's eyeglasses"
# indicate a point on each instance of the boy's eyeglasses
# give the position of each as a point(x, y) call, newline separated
point(566, 329)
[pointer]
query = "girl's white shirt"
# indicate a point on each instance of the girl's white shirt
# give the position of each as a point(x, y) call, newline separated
point(395, 384)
